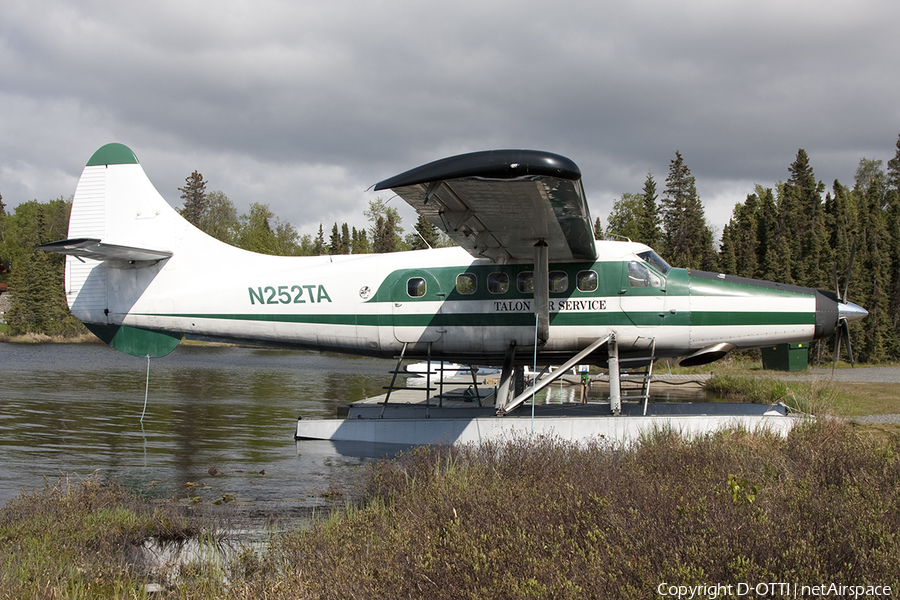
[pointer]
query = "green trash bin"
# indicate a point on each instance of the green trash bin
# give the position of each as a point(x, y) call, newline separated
point(786, 357)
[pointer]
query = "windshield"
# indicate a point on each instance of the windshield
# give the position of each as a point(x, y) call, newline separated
point(655, 260)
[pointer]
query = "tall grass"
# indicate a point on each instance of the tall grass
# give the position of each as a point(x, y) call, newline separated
point(543, 519)
point(552, 519)
point(810, 397)
point(81, 539)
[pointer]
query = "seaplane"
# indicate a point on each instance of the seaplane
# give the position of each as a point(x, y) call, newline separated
point(527, 282)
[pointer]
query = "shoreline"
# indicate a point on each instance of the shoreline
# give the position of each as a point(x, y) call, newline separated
point(41, 338)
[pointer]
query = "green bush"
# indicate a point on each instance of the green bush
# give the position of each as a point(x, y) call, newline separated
point(551, 519)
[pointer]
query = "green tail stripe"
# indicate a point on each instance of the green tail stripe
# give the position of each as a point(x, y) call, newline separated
point(134, 341)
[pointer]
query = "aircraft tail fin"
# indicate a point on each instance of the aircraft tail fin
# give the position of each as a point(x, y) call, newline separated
point(122, 233)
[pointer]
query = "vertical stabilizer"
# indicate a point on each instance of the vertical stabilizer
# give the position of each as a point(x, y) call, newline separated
point(121, 233)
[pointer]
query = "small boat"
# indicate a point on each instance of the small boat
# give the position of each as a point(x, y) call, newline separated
point(447, 369)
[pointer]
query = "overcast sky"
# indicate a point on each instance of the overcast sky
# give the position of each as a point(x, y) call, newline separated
point(303, 105)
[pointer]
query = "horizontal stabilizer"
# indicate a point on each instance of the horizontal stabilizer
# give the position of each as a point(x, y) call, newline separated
point(97, 250)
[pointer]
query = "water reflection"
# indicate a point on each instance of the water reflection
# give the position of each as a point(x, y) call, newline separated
point(75, 409)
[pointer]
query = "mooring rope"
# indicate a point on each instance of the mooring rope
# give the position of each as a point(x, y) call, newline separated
point(146, 390)
point(534, 370)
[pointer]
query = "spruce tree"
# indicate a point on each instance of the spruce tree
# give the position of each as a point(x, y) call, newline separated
point(359, 241)
point(874, 260)
point(772, 266)
point(195, 201)
point(649, 221)
point(36, 279)
point(804, 224)
point(893, 226)
point(426, 235)
point(3, 266)
point(598, 229)
point(688, 240)
point(334, 243)
point(740, 243)
point(727, 256)
point(345, 239)
point(319, 248)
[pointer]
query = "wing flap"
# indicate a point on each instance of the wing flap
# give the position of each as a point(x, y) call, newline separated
point(498, 204)
point(97, 250)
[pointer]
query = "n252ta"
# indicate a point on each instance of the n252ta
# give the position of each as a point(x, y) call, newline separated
point(288, 294)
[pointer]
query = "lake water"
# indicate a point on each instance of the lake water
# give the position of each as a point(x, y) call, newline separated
point(75, 409)
point(72, 410)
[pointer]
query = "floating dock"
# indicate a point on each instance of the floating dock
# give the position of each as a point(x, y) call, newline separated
point(460, 416)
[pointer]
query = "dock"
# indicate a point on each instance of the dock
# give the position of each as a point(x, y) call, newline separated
point(459, 415)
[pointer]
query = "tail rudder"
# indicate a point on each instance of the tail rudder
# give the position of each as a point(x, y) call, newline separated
point(116, 203)
point(121, 234)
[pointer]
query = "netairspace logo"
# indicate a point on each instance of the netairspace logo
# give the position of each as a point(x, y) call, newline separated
point(712, 591)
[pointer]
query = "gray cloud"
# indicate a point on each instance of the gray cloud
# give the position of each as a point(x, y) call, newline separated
point(304, 105)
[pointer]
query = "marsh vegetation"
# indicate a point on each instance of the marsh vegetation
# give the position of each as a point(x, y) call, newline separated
point(520, 519)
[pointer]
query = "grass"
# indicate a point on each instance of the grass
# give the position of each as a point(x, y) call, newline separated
point(519, 519)
point(81, 540)
point(84, 337)
point(551, 519)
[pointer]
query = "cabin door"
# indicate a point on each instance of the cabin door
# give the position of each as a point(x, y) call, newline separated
point(642, 295)
point(416, 301)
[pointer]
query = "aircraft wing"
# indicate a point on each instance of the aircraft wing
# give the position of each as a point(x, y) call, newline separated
point(499, 203)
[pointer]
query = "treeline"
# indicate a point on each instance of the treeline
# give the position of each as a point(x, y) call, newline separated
point(35, 278)
point(261, 231)
point(796, 232)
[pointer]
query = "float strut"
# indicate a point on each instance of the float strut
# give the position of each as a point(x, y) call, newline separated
point(615, 387)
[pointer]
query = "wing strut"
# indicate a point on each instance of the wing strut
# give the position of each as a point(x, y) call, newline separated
point(562, 370)
point(542, 291)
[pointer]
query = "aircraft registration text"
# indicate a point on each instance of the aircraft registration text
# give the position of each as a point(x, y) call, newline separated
point(284, 294)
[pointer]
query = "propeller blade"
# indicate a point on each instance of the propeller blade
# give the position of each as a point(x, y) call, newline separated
point(849, 268)
point(837, 347)
point(837, 286)
point(849, 349)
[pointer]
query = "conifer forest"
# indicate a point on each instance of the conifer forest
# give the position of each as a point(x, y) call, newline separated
point(842, 236)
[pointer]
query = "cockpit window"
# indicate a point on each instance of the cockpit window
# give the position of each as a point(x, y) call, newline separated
point(655, 260)
point(640, 276)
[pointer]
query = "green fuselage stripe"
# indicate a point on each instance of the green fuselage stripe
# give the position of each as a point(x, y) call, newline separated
point(585, 319)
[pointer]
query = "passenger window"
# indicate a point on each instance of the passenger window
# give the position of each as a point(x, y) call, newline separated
point(415, 287)
point(559, 281)
point(466, 283)
point(525, 282)
point(586, 281)
point(640, 276)
point(498, 283)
